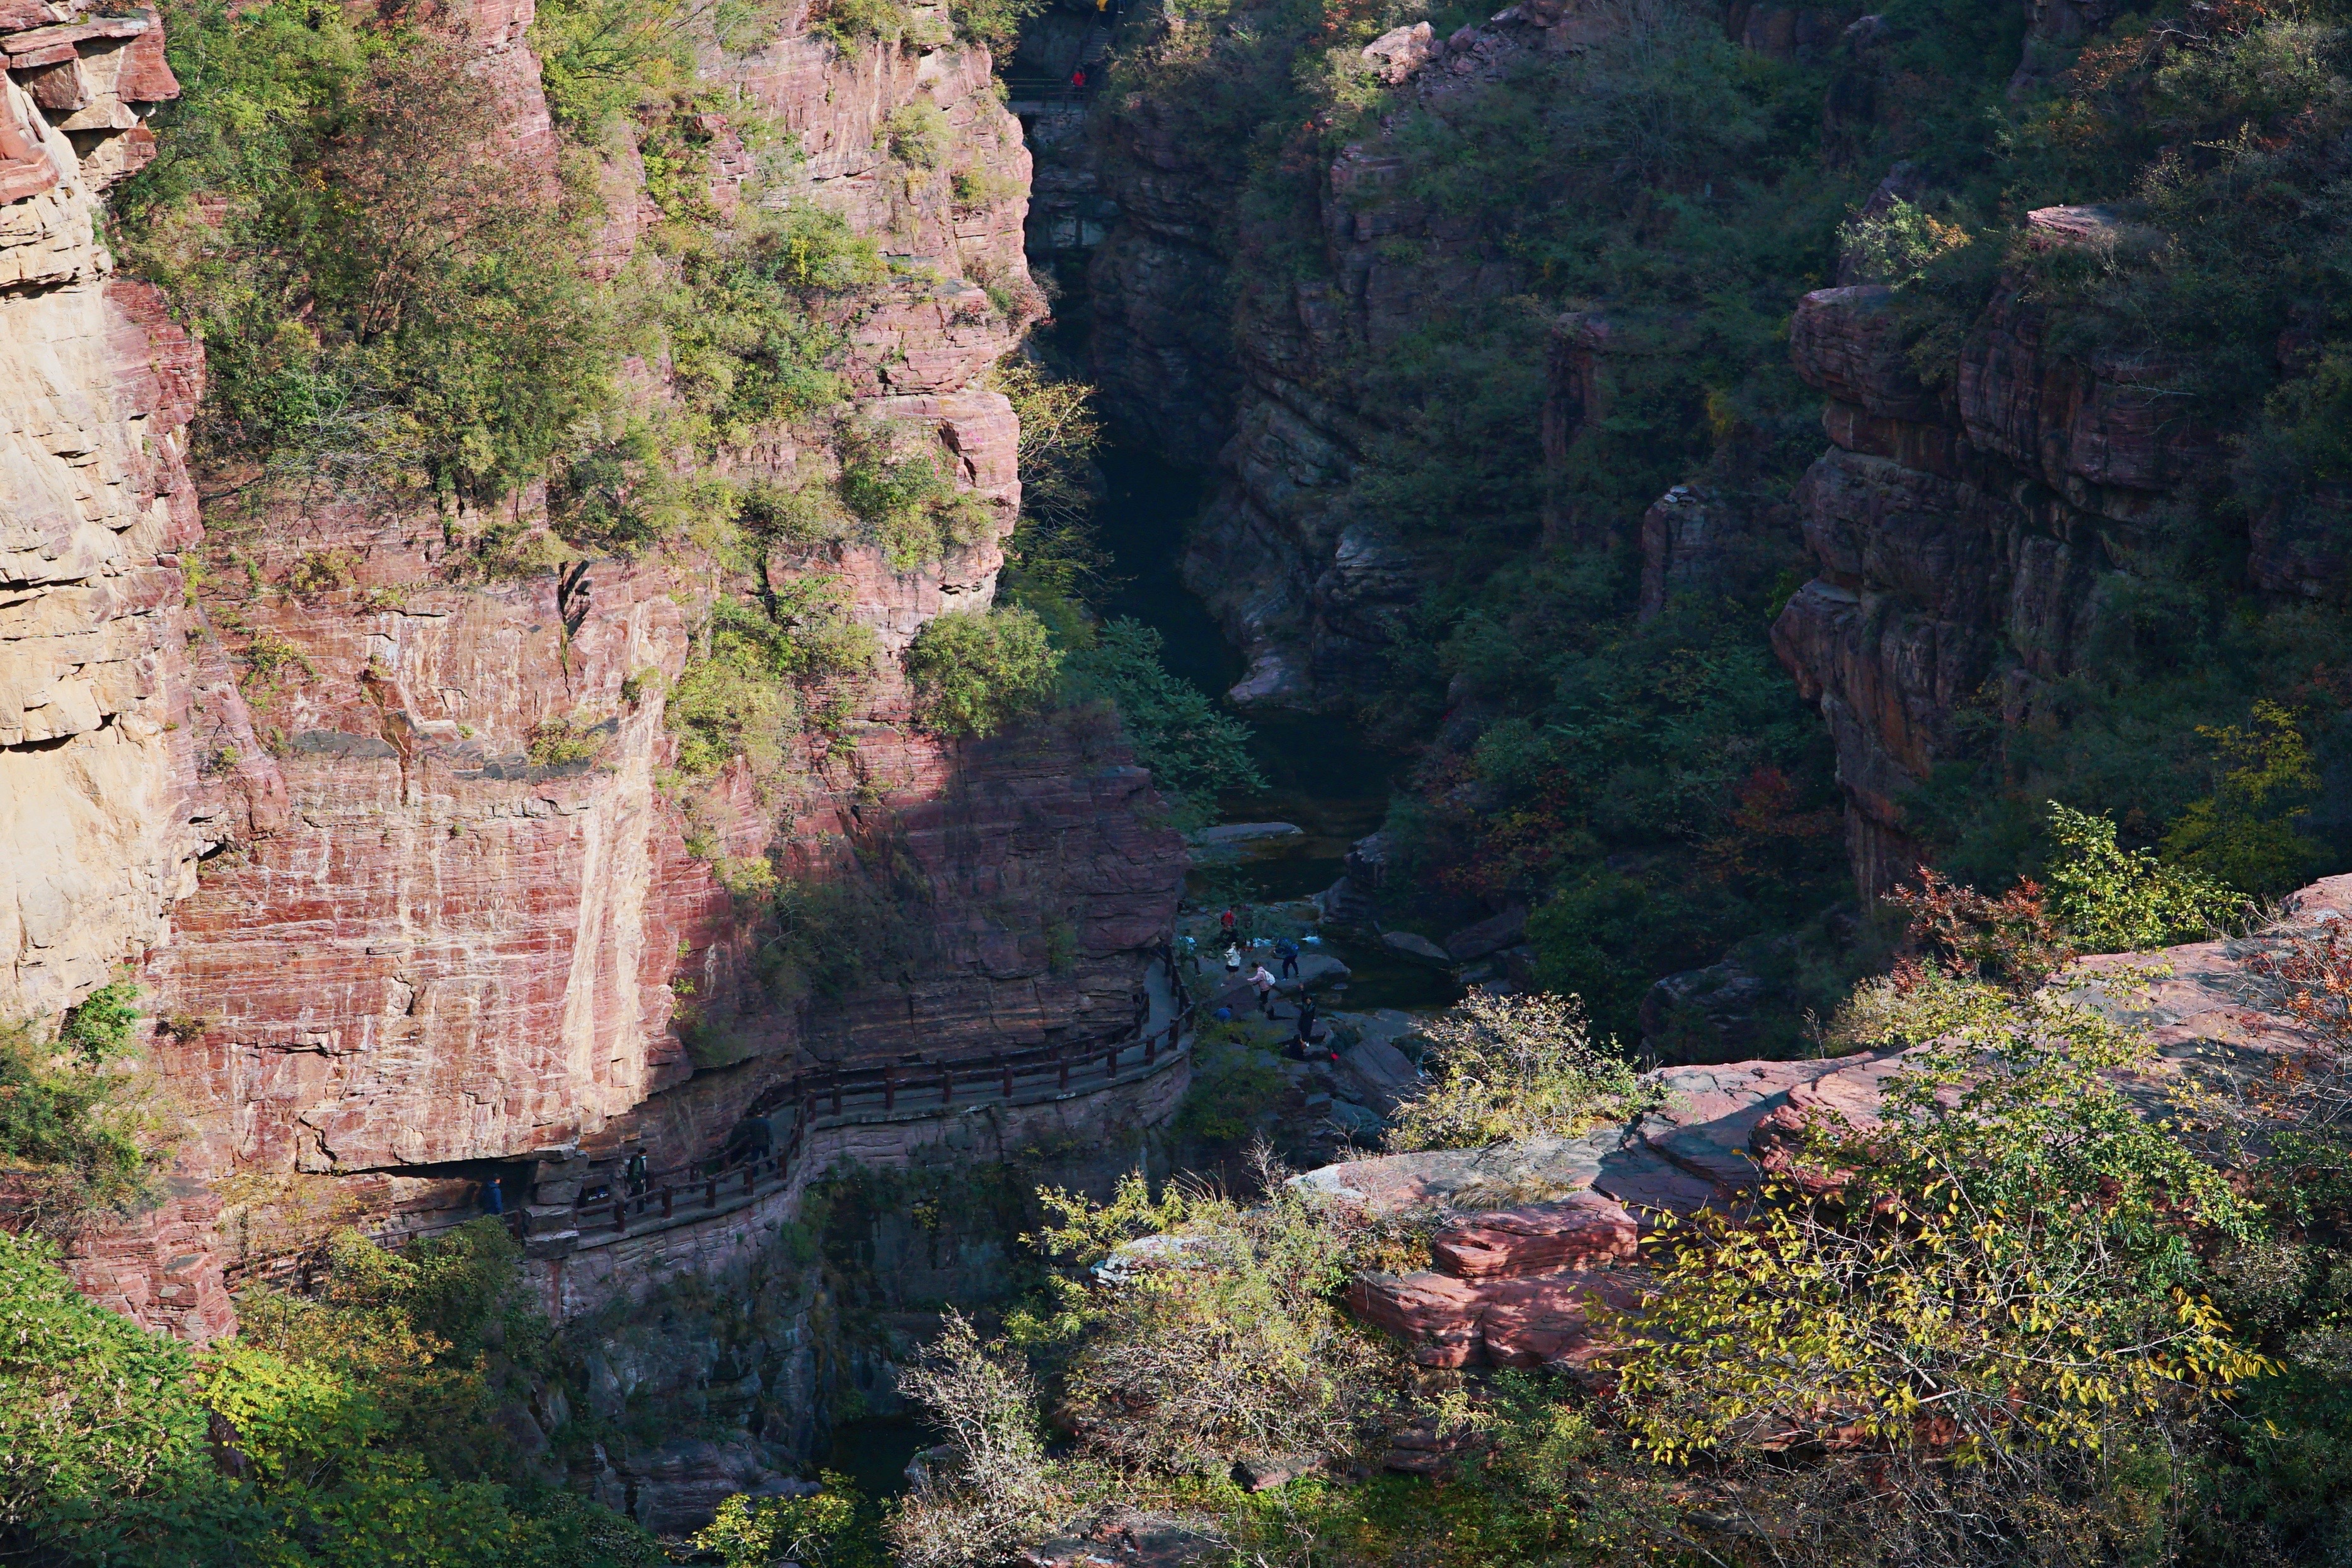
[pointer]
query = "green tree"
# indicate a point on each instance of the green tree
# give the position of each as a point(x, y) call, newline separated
point(1195, 751)
point(753, 1532)
point(2245, 832)
point(2112, 900)
point(974, 671)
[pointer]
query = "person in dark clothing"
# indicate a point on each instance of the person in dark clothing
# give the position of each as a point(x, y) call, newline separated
point(1306, 1020)
point(635, 1174)
point(751, 1139)
point(494, 1199)
point(1286, 953)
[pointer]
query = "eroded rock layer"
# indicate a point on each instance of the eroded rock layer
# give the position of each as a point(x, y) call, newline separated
point(1963, 534)
point(394, 951)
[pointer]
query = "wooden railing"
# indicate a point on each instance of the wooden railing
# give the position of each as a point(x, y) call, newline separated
point(997, 1078)
point(888, 1087)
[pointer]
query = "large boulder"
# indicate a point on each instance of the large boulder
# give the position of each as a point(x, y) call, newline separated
point(1581, 1232)
point(1382, 1076)
point(1400, 51)
point(1542, 1320)
point(1706, 1016)
point(1408, 945)
point(1490, 936)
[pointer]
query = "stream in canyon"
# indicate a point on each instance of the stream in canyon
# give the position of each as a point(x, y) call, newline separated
point(1320, 776)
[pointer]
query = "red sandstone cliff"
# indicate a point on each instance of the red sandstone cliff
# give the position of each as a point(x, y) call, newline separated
point(393, 946)
point(1960, 534)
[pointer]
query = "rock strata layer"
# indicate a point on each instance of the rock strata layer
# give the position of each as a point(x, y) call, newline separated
point(400, 951)
point(1966, 536)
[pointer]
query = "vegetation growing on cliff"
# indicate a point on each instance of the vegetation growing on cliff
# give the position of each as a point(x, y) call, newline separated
point(384, 302)
point(356, 1427)
point(1194, 749)
point(974, 671)
point(84, 1130)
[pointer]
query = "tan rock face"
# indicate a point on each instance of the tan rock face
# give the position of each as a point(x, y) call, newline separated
point(98, 828)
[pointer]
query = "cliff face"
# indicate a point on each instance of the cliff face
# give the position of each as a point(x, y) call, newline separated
point(1963, 534)
point(101, 813)
point(1264, 374)
point(390, 945)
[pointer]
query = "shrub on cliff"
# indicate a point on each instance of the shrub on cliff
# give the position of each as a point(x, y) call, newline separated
point(756, 321)
point(2113, 900)
point(1222, 1341)
point(83, 1129)
point(974, 671)
point(906, 502)
point(992, 1488)
point(1195, 751)
point(1509, 1067)
point(755, 685)
point(755, 1533)
point(386, 303)
point(91, 1406)
point(994, 24)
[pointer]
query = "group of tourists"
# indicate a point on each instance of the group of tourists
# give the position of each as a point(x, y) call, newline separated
point(1264, 982)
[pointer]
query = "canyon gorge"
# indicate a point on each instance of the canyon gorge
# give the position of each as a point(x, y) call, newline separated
point(533, 663)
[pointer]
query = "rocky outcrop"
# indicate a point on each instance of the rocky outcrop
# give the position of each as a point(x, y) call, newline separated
point(1526, 1237)
point(1578, 1233)
point(103, 814)
point(1962, 533)
point(402, 944)
point(453, 953)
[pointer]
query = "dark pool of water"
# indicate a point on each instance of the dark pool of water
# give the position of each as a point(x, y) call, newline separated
point(874, 1451)
point(1319, 777)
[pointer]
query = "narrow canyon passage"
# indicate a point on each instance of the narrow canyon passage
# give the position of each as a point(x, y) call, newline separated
point(653, 656)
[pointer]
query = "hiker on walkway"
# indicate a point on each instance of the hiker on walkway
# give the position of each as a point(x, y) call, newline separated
point(751, 1137)
point(1191, 949)
point(1264, 980)
point(635, 1174)
point(1306, 1021)
point(1226, 922)
point(1079, 77)
point(494, 1199)
point(1287, 951)
point(1233, 960)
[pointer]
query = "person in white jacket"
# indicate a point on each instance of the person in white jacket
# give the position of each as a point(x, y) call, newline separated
point(1263, 978)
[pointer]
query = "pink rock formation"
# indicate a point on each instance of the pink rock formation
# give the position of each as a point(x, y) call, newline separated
point(1543, 1319)
point(1585, 1231)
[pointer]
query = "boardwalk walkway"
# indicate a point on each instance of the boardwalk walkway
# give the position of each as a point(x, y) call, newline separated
point(719, 1184)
